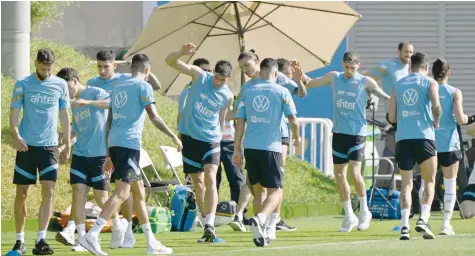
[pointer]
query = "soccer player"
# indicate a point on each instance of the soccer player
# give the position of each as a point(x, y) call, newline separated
point(41, 95)
point(416, 109)
point(124, 135)
point(262, 107)
point(201, 125)
point(447, 138)
point(350, 91)
point(89, 108)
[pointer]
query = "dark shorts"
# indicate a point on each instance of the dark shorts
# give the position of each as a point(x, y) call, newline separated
point(89, 171)
point(264, 167)
point(446, 159)
point(197, 154)
point(43, 160)
point(286, 141)
point(408, 152)
point(126, 164)
point(347, 148)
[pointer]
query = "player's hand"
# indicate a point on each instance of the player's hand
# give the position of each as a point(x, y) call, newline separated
point(108, 166)
point(65, 154)
point(188, 49)
point(237, 159)
point(179, 145)
point(436, 123)
point(80, 103)
point(297, 141)
point(297, 72)
point(20, 144)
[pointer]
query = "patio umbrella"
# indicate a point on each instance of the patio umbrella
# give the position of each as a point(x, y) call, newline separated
point(308, 31)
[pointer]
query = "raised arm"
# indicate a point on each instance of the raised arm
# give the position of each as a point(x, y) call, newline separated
point(377, 73)
point(435, 102)
point(310, 83)
point(173, 60)
point(373, 87)
point(154, 82)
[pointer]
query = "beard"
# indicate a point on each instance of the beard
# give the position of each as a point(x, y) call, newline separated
point(40, 76)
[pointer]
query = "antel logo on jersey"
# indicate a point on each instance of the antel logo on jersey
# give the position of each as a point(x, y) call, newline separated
point(43, 99)
point(261, 103)
point(410, 97)
point(120, 99)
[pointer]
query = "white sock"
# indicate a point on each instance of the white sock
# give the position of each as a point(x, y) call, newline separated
point(116, 223)
point(96, 229)
point(41, 235)
point(262, 218)
point(147, 230)
point(202, 219)
point(348, 208)
point(81, 228)
point(71, 225)
point(421, 190)
point(405, 217)
point(425, 212)
point(21, 237)
point(240, 216)
point(129, 228)
point(363, 204)
point(449, 199)
point(273, 219)
point(210, 219)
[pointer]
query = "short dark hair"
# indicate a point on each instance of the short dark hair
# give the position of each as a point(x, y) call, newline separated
point(440, 68)
point(401, 45)
point(251, 54)
point(45, 55)
point(269, 63)
point(282, 62)
point(200, 61)
point(224, 68)
point(105, 55)
point(67, 74)
point(351, 57)
point(139, 63)
point(419, 60)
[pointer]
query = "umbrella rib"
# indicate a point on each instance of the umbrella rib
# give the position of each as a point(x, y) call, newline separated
point(191, 4)
point(165, 36)
point(199, 45)
point(263, 17)
point(258, 27)
point(250, 17)
point(224, 34)
point(222, 15)
point(312, 9)
point(289, 37)
point(206, 25)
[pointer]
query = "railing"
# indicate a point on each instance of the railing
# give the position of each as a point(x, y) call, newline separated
point(324, 140)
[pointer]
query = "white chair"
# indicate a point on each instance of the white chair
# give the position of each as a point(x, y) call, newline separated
point(368, 164)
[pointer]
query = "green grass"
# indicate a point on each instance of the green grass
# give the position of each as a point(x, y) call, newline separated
point(315, 236)
point(303, 183)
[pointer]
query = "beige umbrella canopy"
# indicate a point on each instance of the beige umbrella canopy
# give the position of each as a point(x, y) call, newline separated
point(308, 31)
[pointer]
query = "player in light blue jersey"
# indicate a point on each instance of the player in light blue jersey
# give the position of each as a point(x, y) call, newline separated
point(447, 138)
point(415, 107)
point(201, 125)
point(262, 107)
point(42, 96)
point(130, 100)
point(350, 94)
point(89, 161)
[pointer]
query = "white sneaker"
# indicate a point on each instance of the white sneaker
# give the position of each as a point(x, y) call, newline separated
point(129, 239)
point(447, 230)
point(349, 222)
point(271, 234)
point(117, 237)
point(364, 219)
point(66, 236)
point(158, 248)
point(91, 244)
point(78, 248)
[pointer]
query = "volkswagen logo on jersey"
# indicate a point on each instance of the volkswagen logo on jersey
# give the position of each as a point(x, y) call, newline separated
point(120, 99)
point(410, 97)
point(261, 103)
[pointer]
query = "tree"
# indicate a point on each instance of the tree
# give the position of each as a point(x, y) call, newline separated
point(45, 13)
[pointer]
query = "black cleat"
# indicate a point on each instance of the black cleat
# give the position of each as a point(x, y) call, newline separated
point(209, 235)
point(424, 228)
point(284, 226)
point(42, 248)
point(405, 234)
point(19, 247)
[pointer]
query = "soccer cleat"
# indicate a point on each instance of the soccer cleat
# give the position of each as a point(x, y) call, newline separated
point(209, 235)
point(447, 230)
point(424, 228)
point(271, 234)
point(364, 220)
point(157, 248)
point(91, 244)
point(66, 236)
point(42, 248)
point(405, 234)
point(19, 247)
point(349, 222)
point(238, 225)
point(117, 238)
point(281, 225)
point(78, 248)
point(258, 232)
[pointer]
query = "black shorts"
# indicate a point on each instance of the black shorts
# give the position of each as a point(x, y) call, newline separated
point(43, 160)
point(347, 148)
point(412, 150)
point(197, 154)
point(126, 164)
point(89, 171)
point(264, 167)
point(446, 159)
point(286, 141)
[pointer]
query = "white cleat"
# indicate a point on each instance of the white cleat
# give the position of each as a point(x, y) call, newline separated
point(157, 248)
point(66, 236)
point(129, 239)
point(447, 230)
point(349, 222)
point(117, 237)
point(364, 220)
point(78, 248)
point(91, 244)
point(271, 234)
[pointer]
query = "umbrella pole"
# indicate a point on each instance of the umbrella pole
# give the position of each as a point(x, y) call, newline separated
point(240, 33)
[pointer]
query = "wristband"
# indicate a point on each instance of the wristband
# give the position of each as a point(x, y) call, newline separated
point(471, 119)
